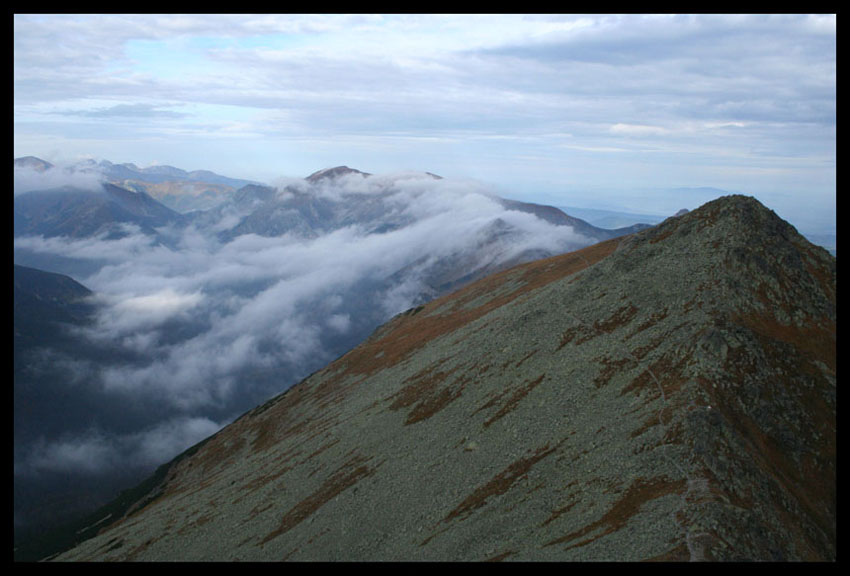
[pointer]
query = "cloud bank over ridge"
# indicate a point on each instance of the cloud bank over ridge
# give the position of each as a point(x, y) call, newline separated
point(207, 328)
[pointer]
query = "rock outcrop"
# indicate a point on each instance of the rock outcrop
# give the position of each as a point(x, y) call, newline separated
point(668, 395)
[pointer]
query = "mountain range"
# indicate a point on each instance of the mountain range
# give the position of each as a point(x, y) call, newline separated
point(178, 189)
point(665, 395)
point(190, 318)
point(326, 201)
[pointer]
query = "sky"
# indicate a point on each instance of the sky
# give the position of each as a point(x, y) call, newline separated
point(598, 111)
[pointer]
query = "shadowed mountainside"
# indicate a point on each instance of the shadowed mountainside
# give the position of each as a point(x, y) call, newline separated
point(668, 395)
point(78, 213)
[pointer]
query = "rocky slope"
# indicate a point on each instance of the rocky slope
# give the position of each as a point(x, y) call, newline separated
point(669, 395)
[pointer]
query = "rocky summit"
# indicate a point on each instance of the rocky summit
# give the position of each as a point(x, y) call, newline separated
point(668, 395)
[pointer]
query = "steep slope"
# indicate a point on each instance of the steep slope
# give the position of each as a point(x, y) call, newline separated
point(665, 396)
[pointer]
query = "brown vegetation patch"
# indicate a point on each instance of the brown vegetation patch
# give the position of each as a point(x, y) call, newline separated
point(678, 554)
point(558, 511)
point(584, 334)
point(643, 382)
point(641, 351)
point(650, 422)
point(638, 493)
point(281, 465)
point(566, 338)
point(322, 448)
point(502, 556)
point(427, 393)
point(278, 419)
point(543, 272)
point(515, 398)
point(131, 555)
point(500, 484)
point(218, 451)
point(524, 358)
point(346, 476)
point(264, 435)
point(619, 318)
point(609, 369)
point(668, 372)
point(653, 319)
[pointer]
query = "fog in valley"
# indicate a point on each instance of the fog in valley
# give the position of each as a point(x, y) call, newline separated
point(198, 320)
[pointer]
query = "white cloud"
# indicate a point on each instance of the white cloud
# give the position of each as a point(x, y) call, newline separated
point(96, 452)
point(637, 129)
point(136, 312)
point(27, 179)
point(86, 454)
point(257, 302)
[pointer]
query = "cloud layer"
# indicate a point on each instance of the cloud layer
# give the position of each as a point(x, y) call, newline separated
point(199, 330)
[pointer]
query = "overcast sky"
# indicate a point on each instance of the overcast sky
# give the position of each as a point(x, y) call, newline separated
point(601, 111)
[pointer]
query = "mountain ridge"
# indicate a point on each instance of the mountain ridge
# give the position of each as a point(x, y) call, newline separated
point(408, 236)
point(685, 411)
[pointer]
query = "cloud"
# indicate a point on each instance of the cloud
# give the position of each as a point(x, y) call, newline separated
point(97, 452)
point(85, 454)
point(130, 313)
point(207, 313)
point(145, 111)
point(27, 179)
point(637, 130)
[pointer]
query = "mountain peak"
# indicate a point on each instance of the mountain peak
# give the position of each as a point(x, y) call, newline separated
point(33, 163)
point(677, 384)
point(333, 173)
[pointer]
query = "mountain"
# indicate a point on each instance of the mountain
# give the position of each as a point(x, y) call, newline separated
point(337, 198)
point(43, 301)
point(47, 309)
point(81, 212)
point(559, 217)
point(667, 395)
point(613, 218)
point(178, 189)
point(302, 273)
point(159, 174)
point(32, 163)
point(333, 173)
